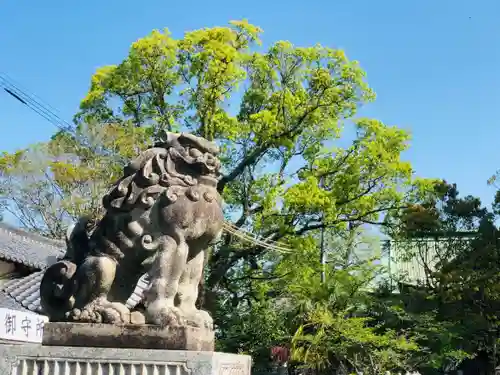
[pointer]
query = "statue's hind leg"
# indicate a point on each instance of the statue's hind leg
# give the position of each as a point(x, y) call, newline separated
point(164, 276)
point(188, 293)
point(95, 278)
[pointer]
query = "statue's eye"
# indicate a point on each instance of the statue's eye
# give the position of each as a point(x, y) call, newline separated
point(195, 153)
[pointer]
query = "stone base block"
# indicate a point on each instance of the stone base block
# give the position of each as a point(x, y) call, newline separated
point(128, 336)
point(34, 359)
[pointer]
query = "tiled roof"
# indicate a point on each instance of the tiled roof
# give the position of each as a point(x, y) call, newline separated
point(7, 302)
point(37, 252)
point(26, 291)
point(29, 249)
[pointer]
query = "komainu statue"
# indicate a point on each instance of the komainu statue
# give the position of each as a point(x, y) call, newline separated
point(160, 218)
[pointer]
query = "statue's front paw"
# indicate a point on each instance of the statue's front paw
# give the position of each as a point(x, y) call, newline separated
point(163, 313)
point(206, 318)
point(101, 311)
point(86, 314)
point(114, 313)
point(199, 318)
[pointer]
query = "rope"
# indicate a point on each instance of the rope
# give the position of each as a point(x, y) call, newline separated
point(250, 238)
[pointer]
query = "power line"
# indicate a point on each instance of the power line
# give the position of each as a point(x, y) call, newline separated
point(46, 111)
point(35, 98)
point(35, 105)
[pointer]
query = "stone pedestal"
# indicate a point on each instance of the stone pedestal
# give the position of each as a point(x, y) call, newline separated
point(104, 349)
point(34, 359)
point(128, 336)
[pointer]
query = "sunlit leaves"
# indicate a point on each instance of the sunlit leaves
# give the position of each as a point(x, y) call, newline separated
point(279, 115)
point(293, 100)
point(350, 343)
point(51, 184)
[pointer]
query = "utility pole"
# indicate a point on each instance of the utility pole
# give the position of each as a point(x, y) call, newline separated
point(322, 242)
point(323, 255)
point(494, 335)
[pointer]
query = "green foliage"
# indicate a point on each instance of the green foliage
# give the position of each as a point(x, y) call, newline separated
point(455, 313)
point(293, 101)
point(442, 212)
point(350, 344)
point(279, 116)
point(252, 329)
point(48, 185)
point(333, 330)
point(415, 312)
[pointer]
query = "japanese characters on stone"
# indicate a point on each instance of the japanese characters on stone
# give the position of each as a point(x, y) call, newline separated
point(21, 326)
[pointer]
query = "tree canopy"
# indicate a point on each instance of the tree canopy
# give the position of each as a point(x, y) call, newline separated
point(297, 160)
point(455, 310)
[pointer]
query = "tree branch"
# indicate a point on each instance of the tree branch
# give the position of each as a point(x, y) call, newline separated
point(259, 151)
point(247, 161)
point(368, 190)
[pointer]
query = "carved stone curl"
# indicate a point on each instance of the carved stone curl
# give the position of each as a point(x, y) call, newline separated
point(161, 216)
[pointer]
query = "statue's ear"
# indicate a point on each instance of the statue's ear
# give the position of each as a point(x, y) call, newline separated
point(200, 143)
point(69, 234)
point(166, 137)
point(77, 240)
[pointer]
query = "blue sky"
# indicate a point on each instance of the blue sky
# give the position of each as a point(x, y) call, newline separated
point(435, 65)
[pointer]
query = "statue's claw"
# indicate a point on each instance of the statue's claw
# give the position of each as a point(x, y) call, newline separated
point(199, 318)
point(101, 311)
point(164, 314)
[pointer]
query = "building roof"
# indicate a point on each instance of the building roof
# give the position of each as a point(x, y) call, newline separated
point(26, 291)
point(411, 260)
point(8, 302)
point(29, 249)
point(37, 252)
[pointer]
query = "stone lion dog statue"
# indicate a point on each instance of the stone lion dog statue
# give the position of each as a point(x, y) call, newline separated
point(160, 218)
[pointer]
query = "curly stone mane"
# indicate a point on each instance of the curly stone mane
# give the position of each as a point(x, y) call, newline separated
point(165, 172)
point(169, 169)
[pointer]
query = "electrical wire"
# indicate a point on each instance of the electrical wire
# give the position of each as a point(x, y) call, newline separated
point(24, 99)
point(33, 101)
point(45, 110)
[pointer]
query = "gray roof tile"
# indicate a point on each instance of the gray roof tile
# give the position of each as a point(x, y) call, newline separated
point(37, 252)
point(7, 302)
point(26, 291)
point(29, 249)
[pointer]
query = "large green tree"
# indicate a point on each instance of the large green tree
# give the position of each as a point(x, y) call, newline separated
point(279, 115)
